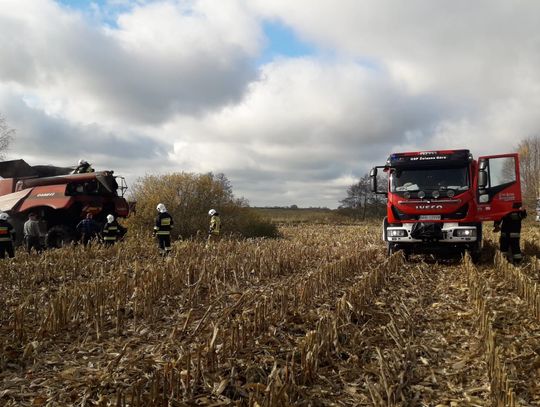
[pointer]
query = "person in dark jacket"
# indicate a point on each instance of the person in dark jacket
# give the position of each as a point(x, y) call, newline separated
point(32, 234)
point(510, 228)
point(162, 229)
point(112, 231)
point(88, 229)
point(7, 237)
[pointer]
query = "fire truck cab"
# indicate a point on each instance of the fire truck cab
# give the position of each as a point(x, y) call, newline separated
point(437, 200)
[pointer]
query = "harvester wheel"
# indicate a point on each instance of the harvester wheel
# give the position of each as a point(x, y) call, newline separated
point(58, 236)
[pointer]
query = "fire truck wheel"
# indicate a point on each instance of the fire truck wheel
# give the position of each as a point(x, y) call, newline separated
point(58, 236)
point(476, 254)
point(391, 249)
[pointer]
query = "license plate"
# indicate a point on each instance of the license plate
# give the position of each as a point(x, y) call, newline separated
point(429, 217)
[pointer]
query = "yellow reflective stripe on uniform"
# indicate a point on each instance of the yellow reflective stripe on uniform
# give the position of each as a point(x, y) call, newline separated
point(5, 239)
point(166, 222)
point(112, 228)
point(215, 224)
point(163, 232)
point(515, 234)
point(517, 256)
point(109, 238)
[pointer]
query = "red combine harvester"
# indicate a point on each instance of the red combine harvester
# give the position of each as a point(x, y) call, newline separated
point(59, 197)
point(437, 200)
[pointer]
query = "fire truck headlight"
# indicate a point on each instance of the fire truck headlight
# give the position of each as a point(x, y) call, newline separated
point(465, 232)
point(421, 194)
point(435, 194)
point(397, 233)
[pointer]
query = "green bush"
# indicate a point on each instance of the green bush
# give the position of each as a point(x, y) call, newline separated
point(188, 198)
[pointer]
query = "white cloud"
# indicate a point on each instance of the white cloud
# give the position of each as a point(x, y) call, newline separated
point(162, 59)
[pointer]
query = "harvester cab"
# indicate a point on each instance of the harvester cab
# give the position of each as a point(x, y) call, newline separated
point(60, 198)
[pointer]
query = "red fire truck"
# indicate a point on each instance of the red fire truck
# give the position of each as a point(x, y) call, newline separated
point(437, 200)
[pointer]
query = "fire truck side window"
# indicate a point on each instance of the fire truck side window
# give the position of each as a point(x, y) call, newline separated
point(501, 171)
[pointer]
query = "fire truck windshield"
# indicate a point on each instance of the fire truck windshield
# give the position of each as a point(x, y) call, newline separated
point(442, 179)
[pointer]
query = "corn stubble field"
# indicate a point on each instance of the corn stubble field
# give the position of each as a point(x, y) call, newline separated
point(319, 318)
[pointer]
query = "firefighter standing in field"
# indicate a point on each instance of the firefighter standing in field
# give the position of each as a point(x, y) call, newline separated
point(111, 231)
point(7, 236)
point(162, 229)
point(215, 225)
point(510, 228)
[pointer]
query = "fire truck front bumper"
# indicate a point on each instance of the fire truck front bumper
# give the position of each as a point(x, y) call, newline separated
point(444, 233)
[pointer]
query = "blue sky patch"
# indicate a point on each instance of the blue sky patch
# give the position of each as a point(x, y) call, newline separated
point(282, 42)
point(101, 11)
point(81, 4)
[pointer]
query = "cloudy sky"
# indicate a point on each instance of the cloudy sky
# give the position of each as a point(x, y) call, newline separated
point(292, 99)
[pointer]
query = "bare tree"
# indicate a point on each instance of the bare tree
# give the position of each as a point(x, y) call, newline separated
point(529, 152)
point(361, 202)
point(6, 136)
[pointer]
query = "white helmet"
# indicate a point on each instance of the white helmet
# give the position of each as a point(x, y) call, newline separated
point(161, 208)
point(83, 162)
point(212, 212)
point(4, 216)
point(110, 218)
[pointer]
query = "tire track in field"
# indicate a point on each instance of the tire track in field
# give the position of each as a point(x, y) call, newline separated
point(451, 368)
point(517, 332)
point(415, 344)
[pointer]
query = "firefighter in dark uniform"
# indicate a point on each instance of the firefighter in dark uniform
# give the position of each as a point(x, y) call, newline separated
point(7, 237)
point(510, 228)
point(83, 167)
point(111, 231)
point(162, 229)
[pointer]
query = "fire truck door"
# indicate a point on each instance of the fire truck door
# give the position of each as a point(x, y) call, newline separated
point(499, 186)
